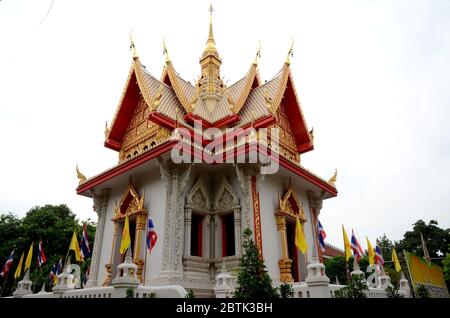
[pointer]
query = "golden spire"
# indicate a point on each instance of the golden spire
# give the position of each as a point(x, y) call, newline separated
point(333, 179)
point(290, 53)
point(258, 54)
point(210, 43)
point(165, 52)
point(132, 47)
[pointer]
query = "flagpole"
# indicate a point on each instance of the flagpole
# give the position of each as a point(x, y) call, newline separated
point(410, 276)
point(4, 283)
point(12, 288)
point(146, 250)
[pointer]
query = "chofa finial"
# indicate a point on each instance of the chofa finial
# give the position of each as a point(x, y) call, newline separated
point(290, 53)
point(333, 179)
point(258, 54)
point(165, 52)
point(106, 130)
point(81, 177)
point(132, 46)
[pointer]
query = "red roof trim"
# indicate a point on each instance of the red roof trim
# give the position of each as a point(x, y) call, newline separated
point(126, 166)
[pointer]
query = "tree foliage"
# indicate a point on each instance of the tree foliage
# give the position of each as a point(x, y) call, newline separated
point(356, 288)
point(253, 281)
point(446, 269)
point(286, 290)
point(336, 267)
point(54, 225)
point(436, 239)
point(392, 292)
point(422, 291)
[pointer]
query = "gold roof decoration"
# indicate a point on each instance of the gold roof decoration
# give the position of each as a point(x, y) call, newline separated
point(130, 203)
point(132, 46)
point(106, 130)
point(311, 134)
point(290, 53)
point(157, 98)
point(210, 43)
point(290, 205)
point(258, 54)
point(81, 177)
point(165, 51)
point(333, 179)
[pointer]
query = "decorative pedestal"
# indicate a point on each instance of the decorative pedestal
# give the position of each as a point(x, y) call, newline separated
point(24, 286)
point(126, 273)
point(357, 272)
point(317, 280)
point(404, 287)
point(66, 281)
point(285, 270)
point(224, 284)
point(385, 280)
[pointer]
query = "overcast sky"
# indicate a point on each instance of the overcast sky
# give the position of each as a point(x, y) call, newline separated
point(373, 79)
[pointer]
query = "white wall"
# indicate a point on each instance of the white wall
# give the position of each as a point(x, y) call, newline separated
point(268, 195)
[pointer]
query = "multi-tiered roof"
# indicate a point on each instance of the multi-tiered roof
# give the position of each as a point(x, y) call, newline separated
point(151, 108)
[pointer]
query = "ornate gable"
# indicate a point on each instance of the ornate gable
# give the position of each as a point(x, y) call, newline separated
point(130, 203)
point(198, 196)
point(225, 198)
point(290, 205)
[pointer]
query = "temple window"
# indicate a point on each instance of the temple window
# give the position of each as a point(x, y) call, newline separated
point(196, 235)
point(228, 239)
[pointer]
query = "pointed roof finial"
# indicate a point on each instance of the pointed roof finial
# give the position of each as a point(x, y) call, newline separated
point(210, 43)
point(258, 54)
point(290, 53)
point(210, 35)
point(132, 47)
point(165, 52)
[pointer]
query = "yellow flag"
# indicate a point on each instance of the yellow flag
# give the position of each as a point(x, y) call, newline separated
point(347, 248)
point(29, 257)
point(19, 267)
point(370, 252)
point(126, 240)
point(75, 247)
point(398, 268)
point(300, 239)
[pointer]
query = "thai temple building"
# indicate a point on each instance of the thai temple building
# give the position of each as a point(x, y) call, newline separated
point(201, 205)
point(204, 162)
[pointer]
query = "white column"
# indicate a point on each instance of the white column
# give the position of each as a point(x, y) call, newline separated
point(237, 231)
point(100, 206)
point(187, 231)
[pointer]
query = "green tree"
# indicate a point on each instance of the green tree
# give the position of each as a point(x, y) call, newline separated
point(286, 290)
point(446, 269)
point(422, 291)
point(436, 239)
point(392, 292)
point(253, 281)
point(54, 225)
point(356, 288)
point(336, 267)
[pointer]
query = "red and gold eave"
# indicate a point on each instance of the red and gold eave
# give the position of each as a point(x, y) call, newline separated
point(135, 87)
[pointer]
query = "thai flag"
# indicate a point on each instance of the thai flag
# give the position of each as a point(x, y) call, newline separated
point(152, 237)
point(41, 256)
point(8, 264)
point(378, 256)
point(322, 235)
point(85, 251)
point(357, 250)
